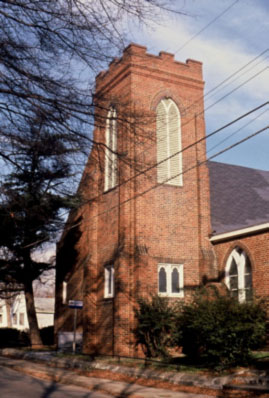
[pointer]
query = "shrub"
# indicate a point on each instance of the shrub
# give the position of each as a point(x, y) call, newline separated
point(13, 338)
point(219, 331)
point(155, 322)
point(47, 335)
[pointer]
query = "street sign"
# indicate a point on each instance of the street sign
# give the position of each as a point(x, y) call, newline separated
point(75, 304)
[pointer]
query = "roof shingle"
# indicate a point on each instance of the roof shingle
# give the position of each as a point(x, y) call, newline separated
point(239, 197)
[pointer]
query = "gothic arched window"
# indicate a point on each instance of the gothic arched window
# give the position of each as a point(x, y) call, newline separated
point(239, 275)
point(168, 125)
point(110, 151)
point(162, 280)
point(170, 280)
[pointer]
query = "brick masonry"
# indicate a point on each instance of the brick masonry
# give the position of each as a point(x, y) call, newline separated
point(256, 247)
point(140, 223)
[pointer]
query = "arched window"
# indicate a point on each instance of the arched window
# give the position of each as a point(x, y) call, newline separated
point(171, 280)
point(233, 278)
point(248, 279)
point(168, 126)
point(175, 281)
point(238, 276)
point(110, 151)
point(162, 280)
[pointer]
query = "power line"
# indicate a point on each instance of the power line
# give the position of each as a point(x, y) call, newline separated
point(181, 173)
point(237, 88)
point(187, 147)
point(218, 86)
point(181, 151)
point(207, 96)
point(177, 175)
point(206, 26)
point(237, 131)
point(220, 99)
point(196, 142)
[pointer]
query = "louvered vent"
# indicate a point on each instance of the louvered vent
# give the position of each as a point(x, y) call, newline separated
point(168, 143)
point(111, 149)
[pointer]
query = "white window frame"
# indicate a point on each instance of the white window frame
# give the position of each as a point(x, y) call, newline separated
point(21, 318)
point(64, 293)
point(169, 269)
point(110, 151)
point(240, 257)
point(164, 144)
point(109, 283)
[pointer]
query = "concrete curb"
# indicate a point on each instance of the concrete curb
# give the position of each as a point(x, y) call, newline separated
point(176, 378)
point(255, 382)
point(118, 389)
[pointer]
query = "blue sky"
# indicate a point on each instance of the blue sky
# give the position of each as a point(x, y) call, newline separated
point(231, 42)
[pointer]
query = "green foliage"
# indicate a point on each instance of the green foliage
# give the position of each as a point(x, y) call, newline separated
point(220, 332)
point(155, 323)
point(13, 338)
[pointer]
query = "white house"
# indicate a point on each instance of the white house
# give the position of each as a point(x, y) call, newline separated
point(44, 311)
point(18, 315)
point(5, 318)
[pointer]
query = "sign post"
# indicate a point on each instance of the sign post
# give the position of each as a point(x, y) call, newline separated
point(76, 304)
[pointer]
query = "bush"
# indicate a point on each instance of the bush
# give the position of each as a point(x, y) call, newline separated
point(155, 322)
point(47, 335)
point(13, 338)
point(219, 331)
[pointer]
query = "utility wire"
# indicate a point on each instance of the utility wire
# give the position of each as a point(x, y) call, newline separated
point(196, 142)
point(177, 175)
point(184, 149)
point(72, 226)
point(216, 102)
point(206, 26)
point(237, 131)
point(242, 74)
point(218, 86)
point(237, 88)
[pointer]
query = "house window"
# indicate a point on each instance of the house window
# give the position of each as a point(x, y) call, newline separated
point(64, 292)
point(109, 281)
point(1, 318)
point(15, 319)
point(21, 318)
point(110, 151)
point(170, 280)
point(168, 127)
point(238, 275)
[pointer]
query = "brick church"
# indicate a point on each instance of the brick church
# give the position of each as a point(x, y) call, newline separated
point(157, 218)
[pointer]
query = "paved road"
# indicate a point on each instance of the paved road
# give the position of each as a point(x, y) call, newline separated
point(17, 385)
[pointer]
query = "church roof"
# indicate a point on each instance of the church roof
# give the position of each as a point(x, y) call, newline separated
point(239, 197)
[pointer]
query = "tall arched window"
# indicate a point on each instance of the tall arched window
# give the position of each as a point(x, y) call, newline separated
point(238, 275)
point(110, 151)
point(168, 126)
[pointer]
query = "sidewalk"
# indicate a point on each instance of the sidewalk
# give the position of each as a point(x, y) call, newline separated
point(132, 382)
point(115, 388)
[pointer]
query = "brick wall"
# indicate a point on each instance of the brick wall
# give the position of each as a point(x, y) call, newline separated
point(256, 247)
point(140, 223)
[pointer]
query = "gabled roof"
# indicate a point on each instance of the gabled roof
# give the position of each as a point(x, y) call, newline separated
point(239, 197)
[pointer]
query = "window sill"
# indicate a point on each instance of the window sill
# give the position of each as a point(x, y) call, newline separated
point(110, 189)
point(173, 295)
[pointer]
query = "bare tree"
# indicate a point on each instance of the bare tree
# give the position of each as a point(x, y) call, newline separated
point(50, 51)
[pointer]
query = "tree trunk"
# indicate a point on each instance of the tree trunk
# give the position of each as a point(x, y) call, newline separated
point(8, 309)
point(35, 338)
